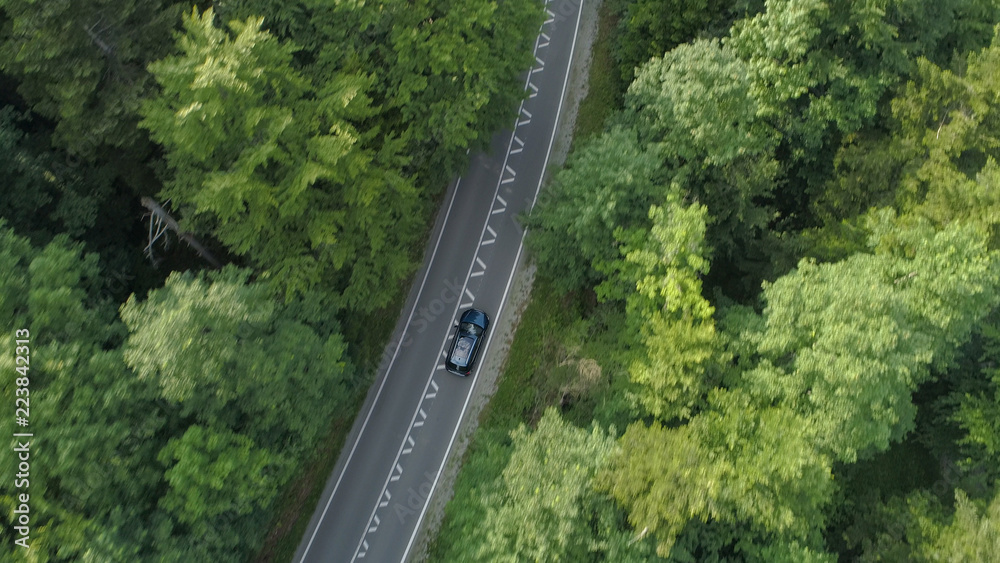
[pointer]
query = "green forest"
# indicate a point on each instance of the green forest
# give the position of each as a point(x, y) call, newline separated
point(765, 321)
point(210, 218)
point(765, 324)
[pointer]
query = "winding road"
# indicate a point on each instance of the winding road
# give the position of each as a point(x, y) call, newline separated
point(376, 498)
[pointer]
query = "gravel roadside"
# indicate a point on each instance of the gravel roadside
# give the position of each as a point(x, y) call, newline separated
point(520, 292)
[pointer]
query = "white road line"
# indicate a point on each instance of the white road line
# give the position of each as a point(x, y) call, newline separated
point(520, 146)
point(513, 174)
point(502, 201)
point(534, 91)
point(526, 113)
point(480, 260)
point(503, 300)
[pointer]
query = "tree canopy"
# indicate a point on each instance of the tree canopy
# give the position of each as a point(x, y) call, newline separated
point(788, 234)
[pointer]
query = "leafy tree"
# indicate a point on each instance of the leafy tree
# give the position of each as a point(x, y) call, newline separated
point(45, 196)
point(212, 473)
point(825, 94)
point(94, 425)
point(721, 154)
point(972, 535)
point(848, 356)
point(677, 367)
point(546, 482)
point(660, 266)
point(737, 464)
point(648, 28)
point(659, 278)
point(949, 130)
point(83, 64)
point(241, 384)
point(974, 402)
point(609, 183)
point(453, 73)
point(275, 166)
point(220, 351)
point(289, 21)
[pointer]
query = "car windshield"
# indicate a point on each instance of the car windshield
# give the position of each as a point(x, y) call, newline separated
point(471, 329)
point(462, 349)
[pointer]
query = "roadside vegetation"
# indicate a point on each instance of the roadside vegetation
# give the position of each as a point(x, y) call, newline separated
point(765, 322)
point(211, 216)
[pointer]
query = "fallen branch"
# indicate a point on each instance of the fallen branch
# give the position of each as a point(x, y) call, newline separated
point(162, 221)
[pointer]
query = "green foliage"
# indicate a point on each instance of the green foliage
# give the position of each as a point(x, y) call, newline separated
point(83, 64)
point(453, 72)
point(546, 482)
point(674, 374)
point(211, 473)
point(949, 128)
point(721, 153)
point(158, 463)
point(650, 28)
point(735, 464)
point(44, 195)
point(276, 167)
point(91, 425)
point(661, 265)
point(974, 403)
point(607, 184)
point(220, 351)
point(809, 116)
point(446, 74)
point(972, 535)
point(659, 278)
point(849, 355)
point(293, 20)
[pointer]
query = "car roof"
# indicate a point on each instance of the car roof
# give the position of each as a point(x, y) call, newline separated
point(463, 350)
point(476, 317)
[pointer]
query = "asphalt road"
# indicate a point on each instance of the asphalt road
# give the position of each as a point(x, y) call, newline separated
point(377, 495)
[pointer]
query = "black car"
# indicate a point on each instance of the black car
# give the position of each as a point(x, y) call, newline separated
point(468, 340)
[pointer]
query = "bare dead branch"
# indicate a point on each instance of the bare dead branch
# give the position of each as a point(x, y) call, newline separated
point(164, 221)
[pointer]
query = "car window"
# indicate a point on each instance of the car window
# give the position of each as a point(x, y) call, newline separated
point(471, 329)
